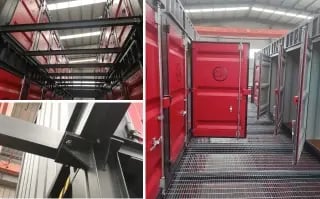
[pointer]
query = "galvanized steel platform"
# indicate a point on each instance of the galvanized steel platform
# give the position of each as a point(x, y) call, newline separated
point(259, 166)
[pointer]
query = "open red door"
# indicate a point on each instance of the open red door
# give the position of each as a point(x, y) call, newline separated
point(262, 69)
point(153, 134)
point(299, 126)
point(177, 91)
point(220, 82)
point(279, 91)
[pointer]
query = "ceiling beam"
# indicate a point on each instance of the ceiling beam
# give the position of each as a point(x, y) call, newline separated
point(76, 74)
point(86, 65)
point(242, 4)
point(68, 25)
point(79, 79)
point(73, 51)
point(240, 32)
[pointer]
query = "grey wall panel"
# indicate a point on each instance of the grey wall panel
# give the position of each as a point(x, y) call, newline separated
point(38, 173)
point(313, 124)
point(274, 67)
point(291, 86)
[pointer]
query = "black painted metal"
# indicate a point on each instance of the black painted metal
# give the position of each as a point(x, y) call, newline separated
point(79, 79)
point(76, 74)
point(87, 65)
point(73, 51)
point(123, 21)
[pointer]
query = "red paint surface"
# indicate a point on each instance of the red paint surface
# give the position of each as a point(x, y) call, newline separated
point(215, 84)
point(10, 86)
point(135, 112)
point(153, 158)
point(34, 92)
point(177, 91)
point(135, 85)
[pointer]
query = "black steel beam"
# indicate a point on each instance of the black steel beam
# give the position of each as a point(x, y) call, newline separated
point(87, 65)
point(73, 51)
point(96, 121)
point(77, 74)
point(29, 137)
point(76, 83)
point(79, 79)
point(123, 21)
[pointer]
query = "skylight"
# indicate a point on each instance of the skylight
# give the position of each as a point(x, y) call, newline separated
point(277, 12)
point(233, 9)
point(72, 4)
point(217, 9)
point(89, 34)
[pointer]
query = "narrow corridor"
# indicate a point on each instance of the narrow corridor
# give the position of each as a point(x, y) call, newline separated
point(259, 166)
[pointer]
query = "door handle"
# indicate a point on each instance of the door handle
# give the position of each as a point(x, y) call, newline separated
point(293, 127)
point(155, 143)
point(183, 113)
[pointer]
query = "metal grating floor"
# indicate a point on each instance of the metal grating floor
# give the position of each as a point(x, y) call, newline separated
point(259, 166)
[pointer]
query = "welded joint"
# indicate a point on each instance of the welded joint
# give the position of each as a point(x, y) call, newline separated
point(75, 151)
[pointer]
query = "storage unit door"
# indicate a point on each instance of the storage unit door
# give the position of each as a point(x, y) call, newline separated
point(303, 97)
point(177, 91)
point(262, 83)
point(280, 82)
point(153, 134)
point(220, 74)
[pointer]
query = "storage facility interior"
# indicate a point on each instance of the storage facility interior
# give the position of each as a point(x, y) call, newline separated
point(232, 99)
point(71, 49)
point(71, 150)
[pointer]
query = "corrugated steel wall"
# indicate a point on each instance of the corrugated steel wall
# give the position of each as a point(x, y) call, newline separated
point(37, 172)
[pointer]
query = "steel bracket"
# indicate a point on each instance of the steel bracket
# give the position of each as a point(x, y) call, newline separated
point(75, 151)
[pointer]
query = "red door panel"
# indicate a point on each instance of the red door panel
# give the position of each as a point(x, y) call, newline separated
point(177, 92)
point(10, 86)
point(216, 70)
point(153, 151)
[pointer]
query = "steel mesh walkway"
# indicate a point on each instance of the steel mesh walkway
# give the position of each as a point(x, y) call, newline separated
point(259, 166)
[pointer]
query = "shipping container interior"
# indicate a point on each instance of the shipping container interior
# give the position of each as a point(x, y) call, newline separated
point(71, 49)
point(204, 155)
point(35, 165)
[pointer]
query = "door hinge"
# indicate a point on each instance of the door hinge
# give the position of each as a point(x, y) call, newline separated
point(166, 101)
point(162, 183)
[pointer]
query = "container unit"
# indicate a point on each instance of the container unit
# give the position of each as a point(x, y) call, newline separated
point(184, 90)
point(37, 44)
point(282, 88)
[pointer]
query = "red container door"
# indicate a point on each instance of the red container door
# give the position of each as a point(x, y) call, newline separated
point(220, 74)
point(177, 92)
point(299, 126)
point(280, 82)
point(262, 83)
point(153, 135)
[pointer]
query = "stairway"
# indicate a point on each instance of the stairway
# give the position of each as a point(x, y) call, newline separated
point(259, 166)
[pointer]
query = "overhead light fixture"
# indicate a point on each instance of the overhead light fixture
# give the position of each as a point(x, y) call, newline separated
point(217, 9)
point(289, 14)
point(82, 60)
point(89, 34)
point(72, 4)
point(83, 82)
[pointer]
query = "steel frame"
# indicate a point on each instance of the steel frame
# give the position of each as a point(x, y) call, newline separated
point(87, 65)
point(94, 150)
point(122, 21)
point(73, 52)
point(15, 59)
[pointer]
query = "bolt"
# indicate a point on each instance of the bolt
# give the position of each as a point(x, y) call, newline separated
point(98, 141)
point(69, 142)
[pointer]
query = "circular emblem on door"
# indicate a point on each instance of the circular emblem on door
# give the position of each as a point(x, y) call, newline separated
point(220, 73)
